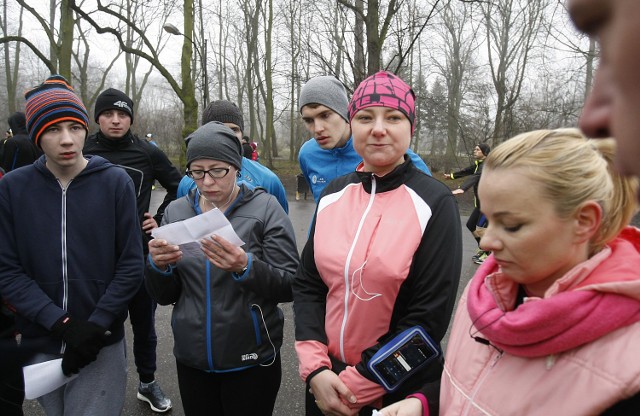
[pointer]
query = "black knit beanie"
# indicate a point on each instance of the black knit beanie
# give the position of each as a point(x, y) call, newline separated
point(485, 148)
point(223, 111)
point(112, 99)
point(17, 122)
point(214, 141)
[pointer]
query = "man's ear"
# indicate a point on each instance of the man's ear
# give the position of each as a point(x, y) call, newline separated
point(588, 219)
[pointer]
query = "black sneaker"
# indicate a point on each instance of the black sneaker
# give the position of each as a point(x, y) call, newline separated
point(482, 258)
point(476, 256)
point(152, 394)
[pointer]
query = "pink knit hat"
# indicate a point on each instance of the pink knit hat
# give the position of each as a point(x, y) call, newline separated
point(384, 89)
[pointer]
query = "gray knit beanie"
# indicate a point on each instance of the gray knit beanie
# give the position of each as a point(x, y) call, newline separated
point(223, 111)
point(327, 91)
point(214, 141)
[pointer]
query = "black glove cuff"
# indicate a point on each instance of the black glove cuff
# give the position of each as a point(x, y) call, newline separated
point(61, 325)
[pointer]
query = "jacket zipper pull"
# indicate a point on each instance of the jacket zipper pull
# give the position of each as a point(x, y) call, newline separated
point(550, 361)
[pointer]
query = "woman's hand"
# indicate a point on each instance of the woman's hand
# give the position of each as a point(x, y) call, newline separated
point(224, 255)
point(406, 407)
point(331, 394)
point(163, 254)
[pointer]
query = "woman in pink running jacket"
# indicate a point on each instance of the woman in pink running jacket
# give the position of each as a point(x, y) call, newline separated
point(383, 256)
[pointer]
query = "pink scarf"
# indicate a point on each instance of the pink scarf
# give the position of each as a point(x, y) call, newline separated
point(541, 327)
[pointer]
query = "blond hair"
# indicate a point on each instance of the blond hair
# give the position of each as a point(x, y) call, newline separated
point(572, 170)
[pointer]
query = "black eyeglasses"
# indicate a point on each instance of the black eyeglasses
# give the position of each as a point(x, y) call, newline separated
point(215, 173)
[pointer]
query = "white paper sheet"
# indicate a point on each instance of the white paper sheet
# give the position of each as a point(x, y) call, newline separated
point(196, 228)
point(43, 378)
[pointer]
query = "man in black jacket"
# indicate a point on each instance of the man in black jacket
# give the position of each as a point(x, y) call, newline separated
point(145, 163)
point(18, 150)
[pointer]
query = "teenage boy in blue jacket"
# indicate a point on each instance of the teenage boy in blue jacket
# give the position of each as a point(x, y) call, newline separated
point(69, 263)
point(323, 104)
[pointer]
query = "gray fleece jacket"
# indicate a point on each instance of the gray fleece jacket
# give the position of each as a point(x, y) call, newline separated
point(223, 321)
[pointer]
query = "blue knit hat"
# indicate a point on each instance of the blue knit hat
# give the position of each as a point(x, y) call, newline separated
point(51, 102)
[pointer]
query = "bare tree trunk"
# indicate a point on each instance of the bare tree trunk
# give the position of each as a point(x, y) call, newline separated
point(53, 47)
point(66, 39)
point(589, 70)
point(416, 135)
point(270, 139)
point(251, 23)
point(203, 58)
point(338, 36)
point(376, 34)
point(360, 61)
point(374, 43)
point(11, 66)
point(221, 62)
point(294, 47)
point(189, 94)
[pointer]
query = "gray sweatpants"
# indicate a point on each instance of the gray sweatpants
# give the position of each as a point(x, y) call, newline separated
point(99, 389)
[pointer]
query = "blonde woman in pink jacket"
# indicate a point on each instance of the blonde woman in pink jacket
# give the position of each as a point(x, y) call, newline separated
point(550, 323)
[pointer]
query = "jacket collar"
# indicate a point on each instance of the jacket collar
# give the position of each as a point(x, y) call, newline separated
point(388, 182)
point(125, 141)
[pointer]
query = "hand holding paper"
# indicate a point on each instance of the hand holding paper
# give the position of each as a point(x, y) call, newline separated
point(196, 228)
point(225, 255)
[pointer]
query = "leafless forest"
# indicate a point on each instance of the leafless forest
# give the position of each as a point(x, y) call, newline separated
point(482, 70)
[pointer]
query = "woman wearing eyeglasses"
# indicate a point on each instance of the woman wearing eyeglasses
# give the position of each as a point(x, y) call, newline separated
point(227, 326)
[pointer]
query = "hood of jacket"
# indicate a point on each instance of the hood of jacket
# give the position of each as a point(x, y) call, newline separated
point(18, 123)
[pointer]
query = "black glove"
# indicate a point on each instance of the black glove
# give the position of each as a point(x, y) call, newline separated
point(73, 361)
point(84, 340)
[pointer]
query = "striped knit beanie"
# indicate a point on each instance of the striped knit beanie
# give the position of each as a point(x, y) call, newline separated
point(51, 102)
point(384, 89)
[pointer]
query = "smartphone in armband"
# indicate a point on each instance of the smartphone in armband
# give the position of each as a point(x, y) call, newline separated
point(401, 357)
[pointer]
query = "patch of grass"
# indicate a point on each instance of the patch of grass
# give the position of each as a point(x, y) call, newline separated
point(287, 170)
point(285, 167)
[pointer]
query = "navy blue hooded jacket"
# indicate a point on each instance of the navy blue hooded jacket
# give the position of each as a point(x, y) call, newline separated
point(72, 250)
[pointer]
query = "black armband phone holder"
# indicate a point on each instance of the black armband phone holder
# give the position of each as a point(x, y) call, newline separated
point(401, 357)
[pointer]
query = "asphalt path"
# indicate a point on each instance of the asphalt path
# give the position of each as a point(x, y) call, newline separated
point(290, 400)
